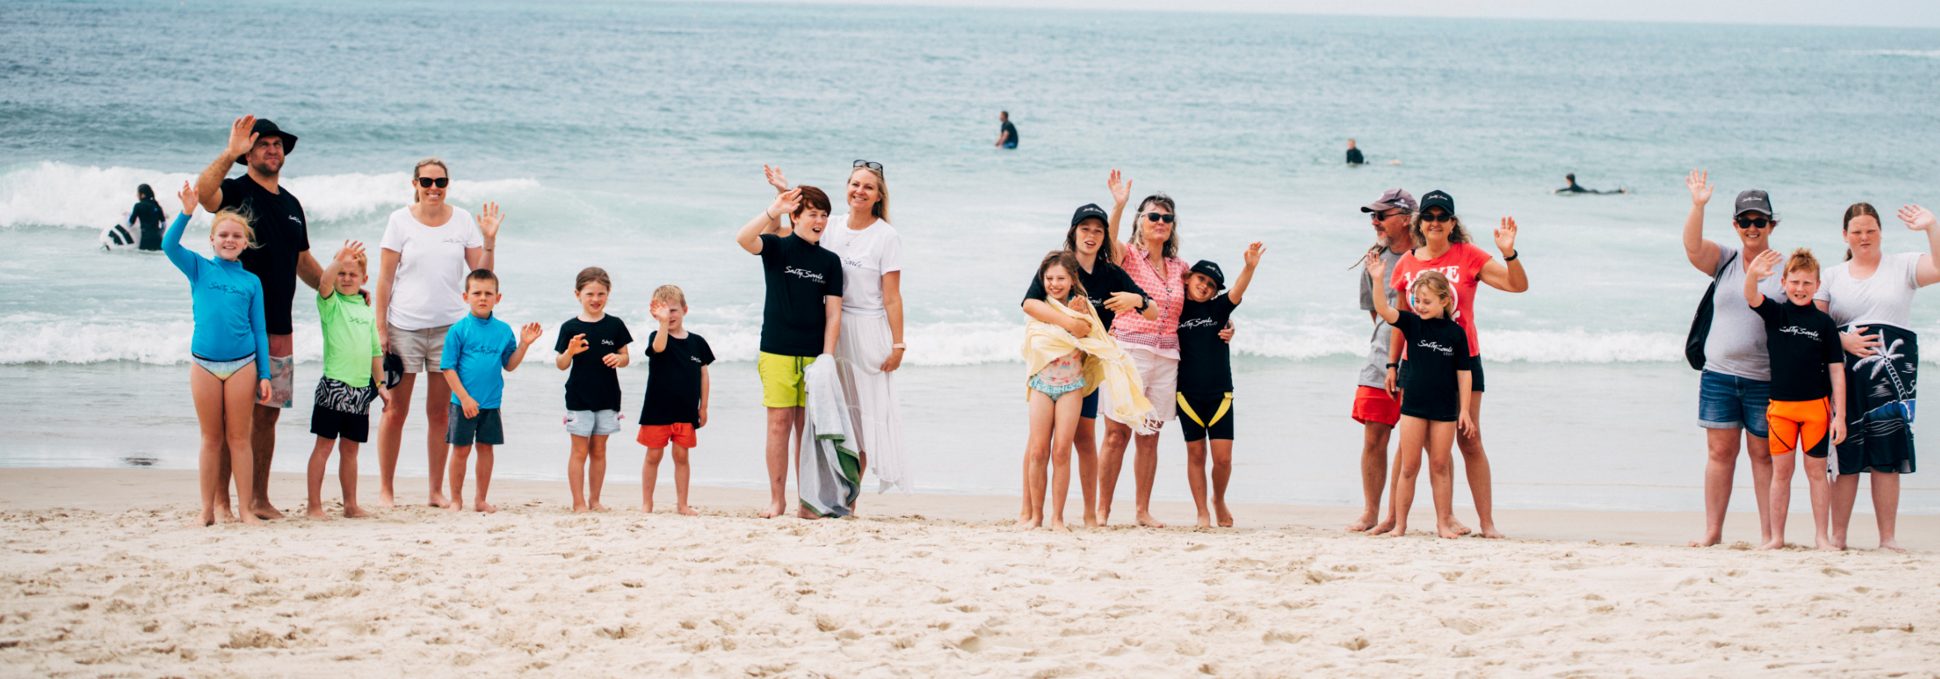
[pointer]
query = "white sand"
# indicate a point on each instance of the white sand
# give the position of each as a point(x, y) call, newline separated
point(101, 573)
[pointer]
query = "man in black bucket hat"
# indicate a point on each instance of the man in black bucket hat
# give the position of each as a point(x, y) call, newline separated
point(281, 256)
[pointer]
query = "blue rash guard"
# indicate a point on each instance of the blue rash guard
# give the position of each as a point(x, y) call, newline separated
point(229, 321)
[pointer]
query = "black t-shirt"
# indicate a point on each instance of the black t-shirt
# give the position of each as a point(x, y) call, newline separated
point(800, 275)
point(282, 233)
point(1802, 341)
point(149, 215)
point(1437, 348)
point(1101, 282)
point(1354, 157)
point(591, 385)
point(1012, 129)
point(1205, 360)
point(674, 380)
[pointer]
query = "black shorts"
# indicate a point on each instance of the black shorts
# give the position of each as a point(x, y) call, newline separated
point(334, 424)
point(1474, 376)
point(1206, 407)
point(486, 429)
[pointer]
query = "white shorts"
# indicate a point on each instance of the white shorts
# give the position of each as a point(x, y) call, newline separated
point(421, 350)
point(592, 422)
point(1160, 375)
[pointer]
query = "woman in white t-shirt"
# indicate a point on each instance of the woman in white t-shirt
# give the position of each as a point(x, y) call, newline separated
point(1870, 296)
point(870, 345)
point(429, 247)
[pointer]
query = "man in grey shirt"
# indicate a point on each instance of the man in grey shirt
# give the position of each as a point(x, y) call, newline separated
point(1375, 404)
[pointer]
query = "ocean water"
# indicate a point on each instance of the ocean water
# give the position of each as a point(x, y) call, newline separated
point(632, 136)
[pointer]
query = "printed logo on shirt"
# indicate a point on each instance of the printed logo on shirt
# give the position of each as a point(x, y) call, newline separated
point(226, 288)
point(1445, 351)
point(855, 262)
point(606, 342)
point(802, 273)
point(695, 359)
point(452, 240)
point(1454, 274)
point(1196, 323)
point(1800, 331)
point(296, 219)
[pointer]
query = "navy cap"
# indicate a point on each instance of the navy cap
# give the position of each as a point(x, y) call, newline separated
point(1438, 198)
point(1211, 270)
point(1090, 211)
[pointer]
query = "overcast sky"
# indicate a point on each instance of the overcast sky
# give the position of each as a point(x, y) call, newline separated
point(1897, 13)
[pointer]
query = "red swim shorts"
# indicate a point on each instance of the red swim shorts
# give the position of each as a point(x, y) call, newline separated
point(1373, 405)
point(657, 435)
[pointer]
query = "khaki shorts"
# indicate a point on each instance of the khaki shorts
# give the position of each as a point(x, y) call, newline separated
point(421, 350)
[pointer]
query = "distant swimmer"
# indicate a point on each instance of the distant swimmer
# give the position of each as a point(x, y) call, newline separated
point(1574, 188)
point(1007, 135)
point(1354, 156)
point(148, 214)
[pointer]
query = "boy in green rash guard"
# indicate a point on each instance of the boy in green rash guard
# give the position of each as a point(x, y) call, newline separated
point(351, 358)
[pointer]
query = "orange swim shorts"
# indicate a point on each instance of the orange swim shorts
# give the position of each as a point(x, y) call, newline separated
point(1374, 405)
point(657, 435)
point(1798, 425)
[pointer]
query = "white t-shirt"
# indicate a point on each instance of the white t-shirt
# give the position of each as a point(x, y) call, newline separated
point(429, 290)
point(866, 255)
point(1886, 297)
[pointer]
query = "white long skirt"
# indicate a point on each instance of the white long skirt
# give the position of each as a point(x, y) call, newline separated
point(871, 394)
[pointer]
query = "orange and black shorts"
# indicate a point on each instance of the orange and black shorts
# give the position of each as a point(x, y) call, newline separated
point(1798, 425)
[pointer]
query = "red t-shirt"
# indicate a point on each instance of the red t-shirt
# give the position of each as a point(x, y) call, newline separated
point(1462, 264)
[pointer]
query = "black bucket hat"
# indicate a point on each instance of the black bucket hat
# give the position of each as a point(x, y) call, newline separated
point(266, 128)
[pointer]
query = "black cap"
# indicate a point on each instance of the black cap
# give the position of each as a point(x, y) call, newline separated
point(1211, 270)
point(1754, 200)
point(1090, 211)
point(1438, 198)
point(266, 128)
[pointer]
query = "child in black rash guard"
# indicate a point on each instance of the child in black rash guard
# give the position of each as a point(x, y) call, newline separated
point(1435, 392)
point(1205, 392)
point(1808, 386)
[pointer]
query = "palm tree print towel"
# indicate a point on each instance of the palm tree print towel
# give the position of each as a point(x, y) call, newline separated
point(1880, 393)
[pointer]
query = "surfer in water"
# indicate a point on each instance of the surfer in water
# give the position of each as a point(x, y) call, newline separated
point(1575, 188)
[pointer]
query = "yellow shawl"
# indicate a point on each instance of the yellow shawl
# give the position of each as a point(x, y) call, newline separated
point(1105, 365)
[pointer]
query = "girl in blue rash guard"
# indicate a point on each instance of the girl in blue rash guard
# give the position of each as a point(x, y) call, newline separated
point(229, 344)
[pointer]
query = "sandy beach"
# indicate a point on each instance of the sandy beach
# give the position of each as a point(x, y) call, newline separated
point(101, 573)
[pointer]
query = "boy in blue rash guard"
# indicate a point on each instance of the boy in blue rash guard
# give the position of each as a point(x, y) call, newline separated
point(231, 341)
point(477, 349)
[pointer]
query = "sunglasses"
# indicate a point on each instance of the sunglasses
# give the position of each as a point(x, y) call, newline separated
point(1437, 217)
point(1156, 217)
point(872, 165)
point(1382, 215)
point(428, 182)
point(1753, 222)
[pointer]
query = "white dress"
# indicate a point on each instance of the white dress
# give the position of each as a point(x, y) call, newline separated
point(865, 343)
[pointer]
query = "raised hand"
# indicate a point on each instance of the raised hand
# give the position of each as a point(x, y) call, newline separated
point(189, 199)
point(1376, 269)
point(242, 136)
point(1699, 184)
point(1121, 188)
point(1917, 218)
point(1505, 236)
point(1253, 252)
point(659, 313)
point(530, 333)
point(489, 218)
point(577, 345)
point(786, 203)
point(349, 252)
point(775, 178)
point(1761, 266)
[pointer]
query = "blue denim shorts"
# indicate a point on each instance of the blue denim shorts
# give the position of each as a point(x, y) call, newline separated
point(1731, 402)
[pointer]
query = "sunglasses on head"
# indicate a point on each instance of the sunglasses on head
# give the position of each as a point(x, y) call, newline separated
point(428, 182)
point(872, 165)
point(1158, 217)
point(1753, 222)
point(1437, 217)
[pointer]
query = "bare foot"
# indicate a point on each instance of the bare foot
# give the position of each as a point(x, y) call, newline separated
point(263, 511)
point(1205, 521)
point(1458, 527)
point(452, 506)
point(773, 512)
point(314, 511)
point(803, 513)
point(1892, 546)
point(438, 500)
point(1091, 520)
point(1362, 524)
point(1491, 533)
point(1058, 525)
point(1448, 532)
point(484, 507)
point(577, 509)
point(251, 519)
point(687, 511)
point(646, 508)
point(385, 500)
point(1145, 519)
point(208, 517)
point(1707, 541)
point(354, 512)
point(1382, 527)
point(1775, 544)
point(1104, 518)
point(596, 506)
point(1395, 532)
point(1224, 515)
point(224, 515)
point(1023, 524)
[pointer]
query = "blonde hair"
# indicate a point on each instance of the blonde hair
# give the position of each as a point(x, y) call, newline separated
point(592, 274)
point(234, 215)
point(881, 209)
point(1802, 260)
point(669, 295)
point(418, 171)
point(1437, 285)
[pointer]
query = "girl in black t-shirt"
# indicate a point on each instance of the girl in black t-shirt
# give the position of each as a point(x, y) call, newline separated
point(592, 346)
point(1435, 392)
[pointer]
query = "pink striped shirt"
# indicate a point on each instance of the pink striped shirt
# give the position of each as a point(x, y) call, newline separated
point(1167, 291)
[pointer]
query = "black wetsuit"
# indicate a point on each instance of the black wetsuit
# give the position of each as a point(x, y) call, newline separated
point(1354, 157)
point(149, 214)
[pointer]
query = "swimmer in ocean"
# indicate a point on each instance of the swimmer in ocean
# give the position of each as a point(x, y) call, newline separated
point(1575, 188)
